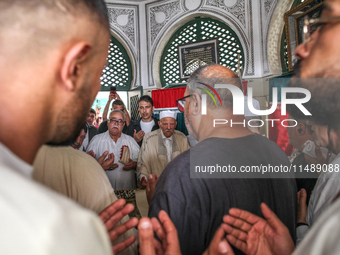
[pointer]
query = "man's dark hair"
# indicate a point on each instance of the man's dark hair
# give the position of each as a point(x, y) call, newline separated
point(147, 99)
point(93, 111)
point(118, 102)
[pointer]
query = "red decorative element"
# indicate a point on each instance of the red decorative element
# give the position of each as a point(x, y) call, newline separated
point(278, 134)
point(166, 98)
point(245, 87)
point(121, 151)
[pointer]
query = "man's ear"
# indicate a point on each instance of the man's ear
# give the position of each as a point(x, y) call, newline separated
point(175, 124)
point(72, 64)
point(159, 123)
point(195, 104)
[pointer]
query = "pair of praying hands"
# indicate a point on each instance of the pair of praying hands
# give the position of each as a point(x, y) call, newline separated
point(164, 229)
point(247, 232)
point(109, 163)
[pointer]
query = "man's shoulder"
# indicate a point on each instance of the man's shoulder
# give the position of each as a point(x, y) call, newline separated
point(99, 137)
point(135, 123)
point(130, 139)
point(67, 152)
point(270, 146)
point(156, 126)
point(251, 149)
point(252, 139)
point(43, 211)
point(102, 127)
point(93, 129)
point(180, 134)
point(152, 135)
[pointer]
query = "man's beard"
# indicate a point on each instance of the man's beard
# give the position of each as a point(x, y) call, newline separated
point(68, 139)
point(331, 71)
point(71, 120)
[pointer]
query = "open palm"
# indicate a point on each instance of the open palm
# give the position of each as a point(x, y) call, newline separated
point(254, 235)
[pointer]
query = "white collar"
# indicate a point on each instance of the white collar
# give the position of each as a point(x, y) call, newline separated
point(120, 138)
point(149, 122)
point(9, 159)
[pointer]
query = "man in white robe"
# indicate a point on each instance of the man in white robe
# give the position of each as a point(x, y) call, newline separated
point(121, 176)
point(52, 59)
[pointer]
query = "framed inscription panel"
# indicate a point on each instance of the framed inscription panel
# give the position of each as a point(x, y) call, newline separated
point(194, 55)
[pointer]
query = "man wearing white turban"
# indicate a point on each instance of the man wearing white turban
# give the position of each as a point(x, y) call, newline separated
point(160, 147)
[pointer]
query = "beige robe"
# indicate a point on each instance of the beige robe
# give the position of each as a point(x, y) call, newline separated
point(78, 176)
point(153, 155)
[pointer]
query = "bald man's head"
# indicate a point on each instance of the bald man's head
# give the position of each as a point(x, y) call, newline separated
point(211, 75)
point(28, 28)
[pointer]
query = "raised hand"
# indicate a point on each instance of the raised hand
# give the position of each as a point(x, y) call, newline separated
point(144, 182)
point(112, 97)
point(166, 232)
point(138, 136)
point(91, 153)
point(131, 165)
point(254, 235)
point(113, 214)
point(219, 244)
point(107, 164)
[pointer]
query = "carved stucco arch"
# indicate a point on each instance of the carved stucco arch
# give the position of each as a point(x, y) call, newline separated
point(170, 29)
point(275, 34)
point(129, 50)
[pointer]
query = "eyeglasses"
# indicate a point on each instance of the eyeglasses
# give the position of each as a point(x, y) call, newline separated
point(115, 121)
point(311, 25)
point(181, 103)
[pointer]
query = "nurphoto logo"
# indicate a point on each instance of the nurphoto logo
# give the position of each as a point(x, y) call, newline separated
point(238, 103)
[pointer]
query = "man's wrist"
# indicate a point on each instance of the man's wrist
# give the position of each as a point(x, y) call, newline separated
point(301, 219)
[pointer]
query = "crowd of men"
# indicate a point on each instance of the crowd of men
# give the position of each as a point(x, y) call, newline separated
point(118, 138)
point(54, 68)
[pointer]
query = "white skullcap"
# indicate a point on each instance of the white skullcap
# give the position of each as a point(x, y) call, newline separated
point(247, 112)
point(164, 114)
